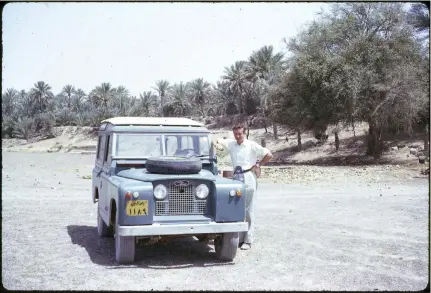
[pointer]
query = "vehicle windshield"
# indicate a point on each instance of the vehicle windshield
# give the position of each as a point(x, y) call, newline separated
point(150, 145)
point(187, 145)
point(138, 145)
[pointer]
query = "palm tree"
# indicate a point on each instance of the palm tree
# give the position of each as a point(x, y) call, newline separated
point(122, 95)
point(179, 105)
point(263, 62)
point(9, 100)
point(78, 99)
point(162, 87)
point(224, 102)
point(25, 104)
point(41, 93)
point(68, 91)
point(102, 94)
point(237, 76)
point(264, 68)
point(147, 101)
point(199, 92)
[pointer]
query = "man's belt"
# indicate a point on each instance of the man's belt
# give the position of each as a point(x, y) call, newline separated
point(242, 171)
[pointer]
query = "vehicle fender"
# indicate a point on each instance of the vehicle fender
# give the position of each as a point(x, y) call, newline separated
point(227, 208)
point(145, 190)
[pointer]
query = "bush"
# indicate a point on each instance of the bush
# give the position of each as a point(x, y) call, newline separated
point(23, 128)
point(65, 118)
point(43, 124)
point(7, 127)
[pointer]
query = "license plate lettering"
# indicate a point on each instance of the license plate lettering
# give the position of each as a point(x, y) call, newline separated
point(137, 208)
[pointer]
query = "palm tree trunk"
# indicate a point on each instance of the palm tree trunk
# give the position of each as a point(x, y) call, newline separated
point(353, 126)
point(275, 129)
point(337, 141)
point(162, 103)
point(299, 139)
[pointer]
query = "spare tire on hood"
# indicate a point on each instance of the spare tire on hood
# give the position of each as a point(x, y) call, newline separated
point(174, 165)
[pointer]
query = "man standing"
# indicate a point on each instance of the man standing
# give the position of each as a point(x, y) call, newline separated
point(245, 153)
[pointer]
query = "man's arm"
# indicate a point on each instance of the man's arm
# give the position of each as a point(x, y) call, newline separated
point(266, 158)
point(267, 155)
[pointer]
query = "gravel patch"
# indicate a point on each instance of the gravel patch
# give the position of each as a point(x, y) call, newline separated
point(318, 234)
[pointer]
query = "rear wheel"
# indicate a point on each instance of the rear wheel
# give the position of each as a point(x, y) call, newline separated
point(102, 229)
point(124, 246)
point(226, 246)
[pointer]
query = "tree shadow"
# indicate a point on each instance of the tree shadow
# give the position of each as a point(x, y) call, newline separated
point(292, 150)
point(348, 160)
point(352, 153)
point(177, 253)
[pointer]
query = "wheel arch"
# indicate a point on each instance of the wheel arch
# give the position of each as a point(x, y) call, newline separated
point(112, 211)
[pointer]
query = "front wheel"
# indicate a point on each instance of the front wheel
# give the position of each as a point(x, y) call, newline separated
point(124, 246)
point(226, 246)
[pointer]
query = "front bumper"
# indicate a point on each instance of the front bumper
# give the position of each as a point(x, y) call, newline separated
point(181, 229)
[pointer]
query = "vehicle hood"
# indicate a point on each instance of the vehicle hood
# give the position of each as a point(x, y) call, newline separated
point(144, 175)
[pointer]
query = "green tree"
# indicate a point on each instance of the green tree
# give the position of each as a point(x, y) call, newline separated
point(148, 101)
point(9, 101)
point(103, 94)
point(263, 68)
point(360, 60)
point(41, 94)
point(236, 76)
point(162, 87)
point(122, 95)
point(179, 104)
point(68, 91)
point(200, 91)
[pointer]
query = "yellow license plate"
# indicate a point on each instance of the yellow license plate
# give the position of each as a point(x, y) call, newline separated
point(137, 208)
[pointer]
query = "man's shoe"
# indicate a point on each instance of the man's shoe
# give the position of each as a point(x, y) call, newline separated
point(246, 246)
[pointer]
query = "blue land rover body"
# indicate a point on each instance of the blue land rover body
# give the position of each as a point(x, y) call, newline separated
point(181, 195)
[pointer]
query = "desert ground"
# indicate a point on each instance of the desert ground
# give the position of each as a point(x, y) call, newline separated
point(318, 228)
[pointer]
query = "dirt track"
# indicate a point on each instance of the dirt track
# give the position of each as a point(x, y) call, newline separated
point(354, 237)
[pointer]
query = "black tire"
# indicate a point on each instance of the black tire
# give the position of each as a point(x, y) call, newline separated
point(124, 246)
point(174, 165)
point(226, 246)
point(102, 229)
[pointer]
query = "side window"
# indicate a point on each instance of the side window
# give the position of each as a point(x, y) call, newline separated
point(171, 145)
point(99, 148)
point(204, 146)
point(186, 142)
point(108, 146)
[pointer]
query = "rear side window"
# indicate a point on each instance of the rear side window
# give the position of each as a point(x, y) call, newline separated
point(107, 147)
point(99, 148)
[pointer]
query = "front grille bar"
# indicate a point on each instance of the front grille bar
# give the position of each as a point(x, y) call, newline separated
point(181, 201)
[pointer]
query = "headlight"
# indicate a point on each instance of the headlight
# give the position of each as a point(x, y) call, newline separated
point(160, 192)
point(202, 191)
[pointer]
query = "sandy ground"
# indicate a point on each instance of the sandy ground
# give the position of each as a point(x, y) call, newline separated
point(312, 234)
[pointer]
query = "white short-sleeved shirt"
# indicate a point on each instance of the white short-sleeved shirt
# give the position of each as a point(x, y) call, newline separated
point(245, 154)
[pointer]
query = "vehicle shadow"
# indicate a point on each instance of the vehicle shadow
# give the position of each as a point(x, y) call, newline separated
point(177, 253)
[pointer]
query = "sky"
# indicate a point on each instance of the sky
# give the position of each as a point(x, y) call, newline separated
point(136, 44)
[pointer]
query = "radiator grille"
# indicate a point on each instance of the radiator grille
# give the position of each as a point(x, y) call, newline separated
point(181, 201)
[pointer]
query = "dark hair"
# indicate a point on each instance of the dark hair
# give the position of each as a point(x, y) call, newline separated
point(239, 126)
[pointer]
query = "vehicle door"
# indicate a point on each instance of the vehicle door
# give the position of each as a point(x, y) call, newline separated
point(98, 164)
point(106, 174)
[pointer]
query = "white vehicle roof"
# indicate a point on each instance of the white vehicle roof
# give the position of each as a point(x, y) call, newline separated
point(153, 121)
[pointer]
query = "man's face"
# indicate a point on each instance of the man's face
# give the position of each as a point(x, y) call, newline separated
point(239, 135)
